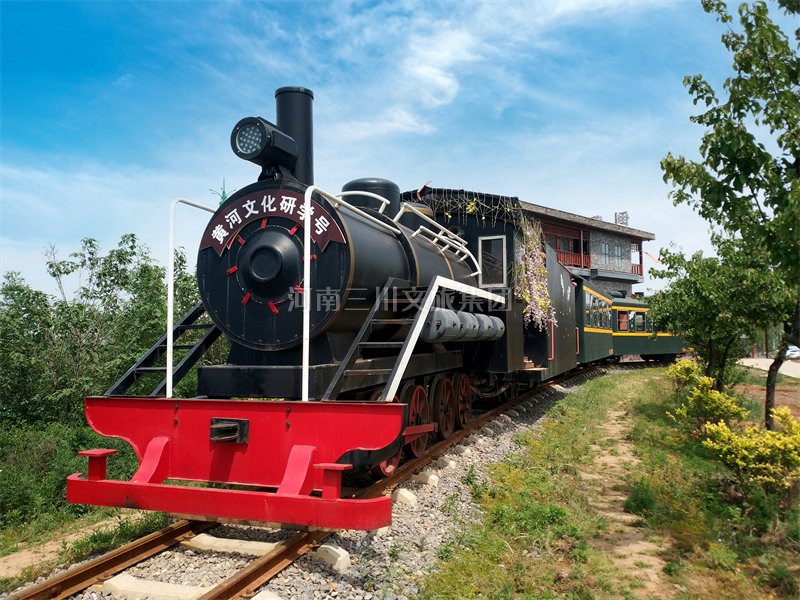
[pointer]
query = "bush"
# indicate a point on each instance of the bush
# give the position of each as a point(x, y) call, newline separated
point(35, 463)
point(769, 460)
point(705, 405)
point(684, 373)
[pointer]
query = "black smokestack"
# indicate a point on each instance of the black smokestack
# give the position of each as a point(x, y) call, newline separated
point(294, 116)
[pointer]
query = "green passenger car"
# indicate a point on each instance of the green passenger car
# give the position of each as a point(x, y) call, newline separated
point(593, 314)
point(633, 332)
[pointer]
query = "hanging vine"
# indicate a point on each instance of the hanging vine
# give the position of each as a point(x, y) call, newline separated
point(530, 276)
point(530, 270)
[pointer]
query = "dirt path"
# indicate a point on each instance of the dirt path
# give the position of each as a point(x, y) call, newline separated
point(14, 564)
point(634, 550)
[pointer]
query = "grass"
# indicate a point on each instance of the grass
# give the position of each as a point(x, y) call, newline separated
point(91, 544)
point(34, 465)
point(537, 537)
point(535, 540)
point(723, 545)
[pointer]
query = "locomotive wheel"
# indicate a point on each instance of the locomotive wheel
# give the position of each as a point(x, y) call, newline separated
point(418, 414)
point(463, 391)
point(444, 406)
point(388, 466)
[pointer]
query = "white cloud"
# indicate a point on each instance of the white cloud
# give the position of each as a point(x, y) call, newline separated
point(399, 88)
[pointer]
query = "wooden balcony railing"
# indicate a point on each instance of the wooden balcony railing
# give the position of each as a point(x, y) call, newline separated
point(584, 261)
point(574, 259)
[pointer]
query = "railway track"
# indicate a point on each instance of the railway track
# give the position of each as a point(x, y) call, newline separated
point(245, 582)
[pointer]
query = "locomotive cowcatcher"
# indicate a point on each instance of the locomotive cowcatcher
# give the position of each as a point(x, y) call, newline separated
point(362, 326)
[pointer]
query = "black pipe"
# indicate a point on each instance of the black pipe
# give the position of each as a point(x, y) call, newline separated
point(294, 116)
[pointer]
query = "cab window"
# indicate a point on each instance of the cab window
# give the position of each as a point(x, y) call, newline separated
point(492, 258)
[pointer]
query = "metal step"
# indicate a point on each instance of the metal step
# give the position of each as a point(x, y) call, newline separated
point(393, 321)
point(381, 344)
point(346, 367)
point(192, 353)
point(354, 372)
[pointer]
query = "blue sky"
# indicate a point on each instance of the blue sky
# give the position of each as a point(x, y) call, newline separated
point(112, 109)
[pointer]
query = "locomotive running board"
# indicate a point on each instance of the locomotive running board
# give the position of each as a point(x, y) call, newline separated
point(292, 447)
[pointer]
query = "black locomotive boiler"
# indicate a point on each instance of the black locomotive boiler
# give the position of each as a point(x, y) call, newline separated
point(361, 324)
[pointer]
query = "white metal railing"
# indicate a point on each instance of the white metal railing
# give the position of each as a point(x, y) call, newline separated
point(337, 202)
point(441, 235)
point(384, 202)
point(171, 283)
point(439, 282)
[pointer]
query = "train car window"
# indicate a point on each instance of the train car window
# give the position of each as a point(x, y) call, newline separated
point(492, 258)
point(648, 323)
point(639, 323)
point(622, 320)
point(587, 308)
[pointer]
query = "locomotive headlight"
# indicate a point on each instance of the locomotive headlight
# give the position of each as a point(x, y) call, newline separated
point(249, 138)
point(259, 141)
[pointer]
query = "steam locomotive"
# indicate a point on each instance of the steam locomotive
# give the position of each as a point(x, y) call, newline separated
point(362, 325)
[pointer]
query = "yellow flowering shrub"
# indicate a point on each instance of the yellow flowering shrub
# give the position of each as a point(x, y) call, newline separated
point(770, 459)
point(684, 373)
point(706, 405)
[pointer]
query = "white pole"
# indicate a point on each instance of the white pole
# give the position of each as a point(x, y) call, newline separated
point(306, 292)
point(171, 283)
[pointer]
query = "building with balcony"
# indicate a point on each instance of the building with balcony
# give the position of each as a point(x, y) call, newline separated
point(607, 254)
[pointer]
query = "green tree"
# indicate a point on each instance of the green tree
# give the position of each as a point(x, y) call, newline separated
point(748, 181)
point(56, 350)
point(25, 323)
point(712, 302)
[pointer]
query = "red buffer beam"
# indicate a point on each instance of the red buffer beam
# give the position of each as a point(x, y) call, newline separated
point(289, 447)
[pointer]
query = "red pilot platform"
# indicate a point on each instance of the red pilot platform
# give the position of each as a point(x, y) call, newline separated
point(285, 458)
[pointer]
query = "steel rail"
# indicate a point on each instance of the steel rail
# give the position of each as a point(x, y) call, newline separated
point(245, 583)
point(96, 570)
